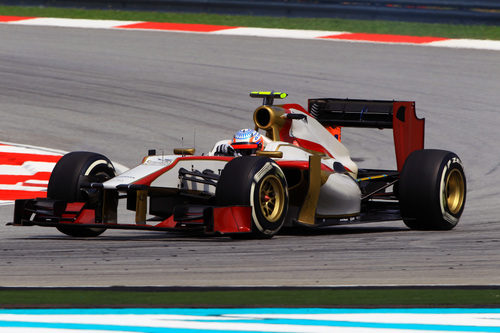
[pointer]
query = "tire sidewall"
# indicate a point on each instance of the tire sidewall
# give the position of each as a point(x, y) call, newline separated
point(448, 166)
point(69, 173)
point(260, 222)
point(240, 183)
point(72, 170)
point(422, 189)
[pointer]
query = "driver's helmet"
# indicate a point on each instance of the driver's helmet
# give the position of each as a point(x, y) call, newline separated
point(247, 142)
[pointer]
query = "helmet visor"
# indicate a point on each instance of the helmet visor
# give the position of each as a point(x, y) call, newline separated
point(246, 149)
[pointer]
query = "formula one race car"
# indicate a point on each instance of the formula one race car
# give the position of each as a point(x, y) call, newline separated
point(303, 176)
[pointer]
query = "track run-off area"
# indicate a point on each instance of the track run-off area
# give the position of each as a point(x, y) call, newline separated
point(121, 92)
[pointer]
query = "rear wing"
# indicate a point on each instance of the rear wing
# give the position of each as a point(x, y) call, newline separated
point(408, 130)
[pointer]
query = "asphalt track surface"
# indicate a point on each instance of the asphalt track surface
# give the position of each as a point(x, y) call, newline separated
point(123, 92)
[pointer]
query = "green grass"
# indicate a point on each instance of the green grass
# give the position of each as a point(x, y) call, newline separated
point(350, 297)
point(381, 27)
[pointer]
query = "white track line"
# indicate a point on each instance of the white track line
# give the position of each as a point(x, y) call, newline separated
point(74, 23)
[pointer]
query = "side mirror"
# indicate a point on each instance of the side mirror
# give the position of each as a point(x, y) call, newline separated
point(184, 151)
point(271, 154)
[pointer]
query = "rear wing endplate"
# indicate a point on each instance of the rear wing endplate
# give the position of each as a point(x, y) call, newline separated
point(408, 130)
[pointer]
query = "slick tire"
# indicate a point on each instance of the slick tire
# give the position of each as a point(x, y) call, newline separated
point(432, 190)
point(70, 172)
point(260, 183)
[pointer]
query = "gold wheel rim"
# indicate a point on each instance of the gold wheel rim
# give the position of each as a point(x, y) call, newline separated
point(455, 191)
point(271, 198)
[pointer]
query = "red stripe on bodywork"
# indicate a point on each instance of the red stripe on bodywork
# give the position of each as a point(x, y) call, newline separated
point(167, 223)
point(285, 130)
point(18, 194)
point(313, 146)
point(385, 38)
point(175, 27)
point(87, 216)
point(233, 219)
point(14, 18)
point(301, 165)
point(297, 107)
point(19, 158)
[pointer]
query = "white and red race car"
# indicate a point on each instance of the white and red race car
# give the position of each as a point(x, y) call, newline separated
point(304, 176)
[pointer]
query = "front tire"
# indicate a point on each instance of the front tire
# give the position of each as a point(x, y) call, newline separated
point(432, 190)
point(260, 183)
point(70, 172)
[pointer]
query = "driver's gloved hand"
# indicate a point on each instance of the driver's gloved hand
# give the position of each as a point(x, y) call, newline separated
point(225, 150)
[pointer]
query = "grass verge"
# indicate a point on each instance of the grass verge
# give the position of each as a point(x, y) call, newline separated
point(267, 297)
point(379, 27)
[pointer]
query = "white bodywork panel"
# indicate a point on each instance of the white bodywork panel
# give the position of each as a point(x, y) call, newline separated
point(290, 151)
point(340, 195)
point(171, 178)
point(151, 165)
point(310, 129)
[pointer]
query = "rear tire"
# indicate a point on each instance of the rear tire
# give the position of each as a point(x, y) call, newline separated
point(432, 190)
point(260, 183)
point(70, 172)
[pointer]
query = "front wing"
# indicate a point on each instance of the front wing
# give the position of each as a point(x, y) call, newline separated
point(201, 219)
